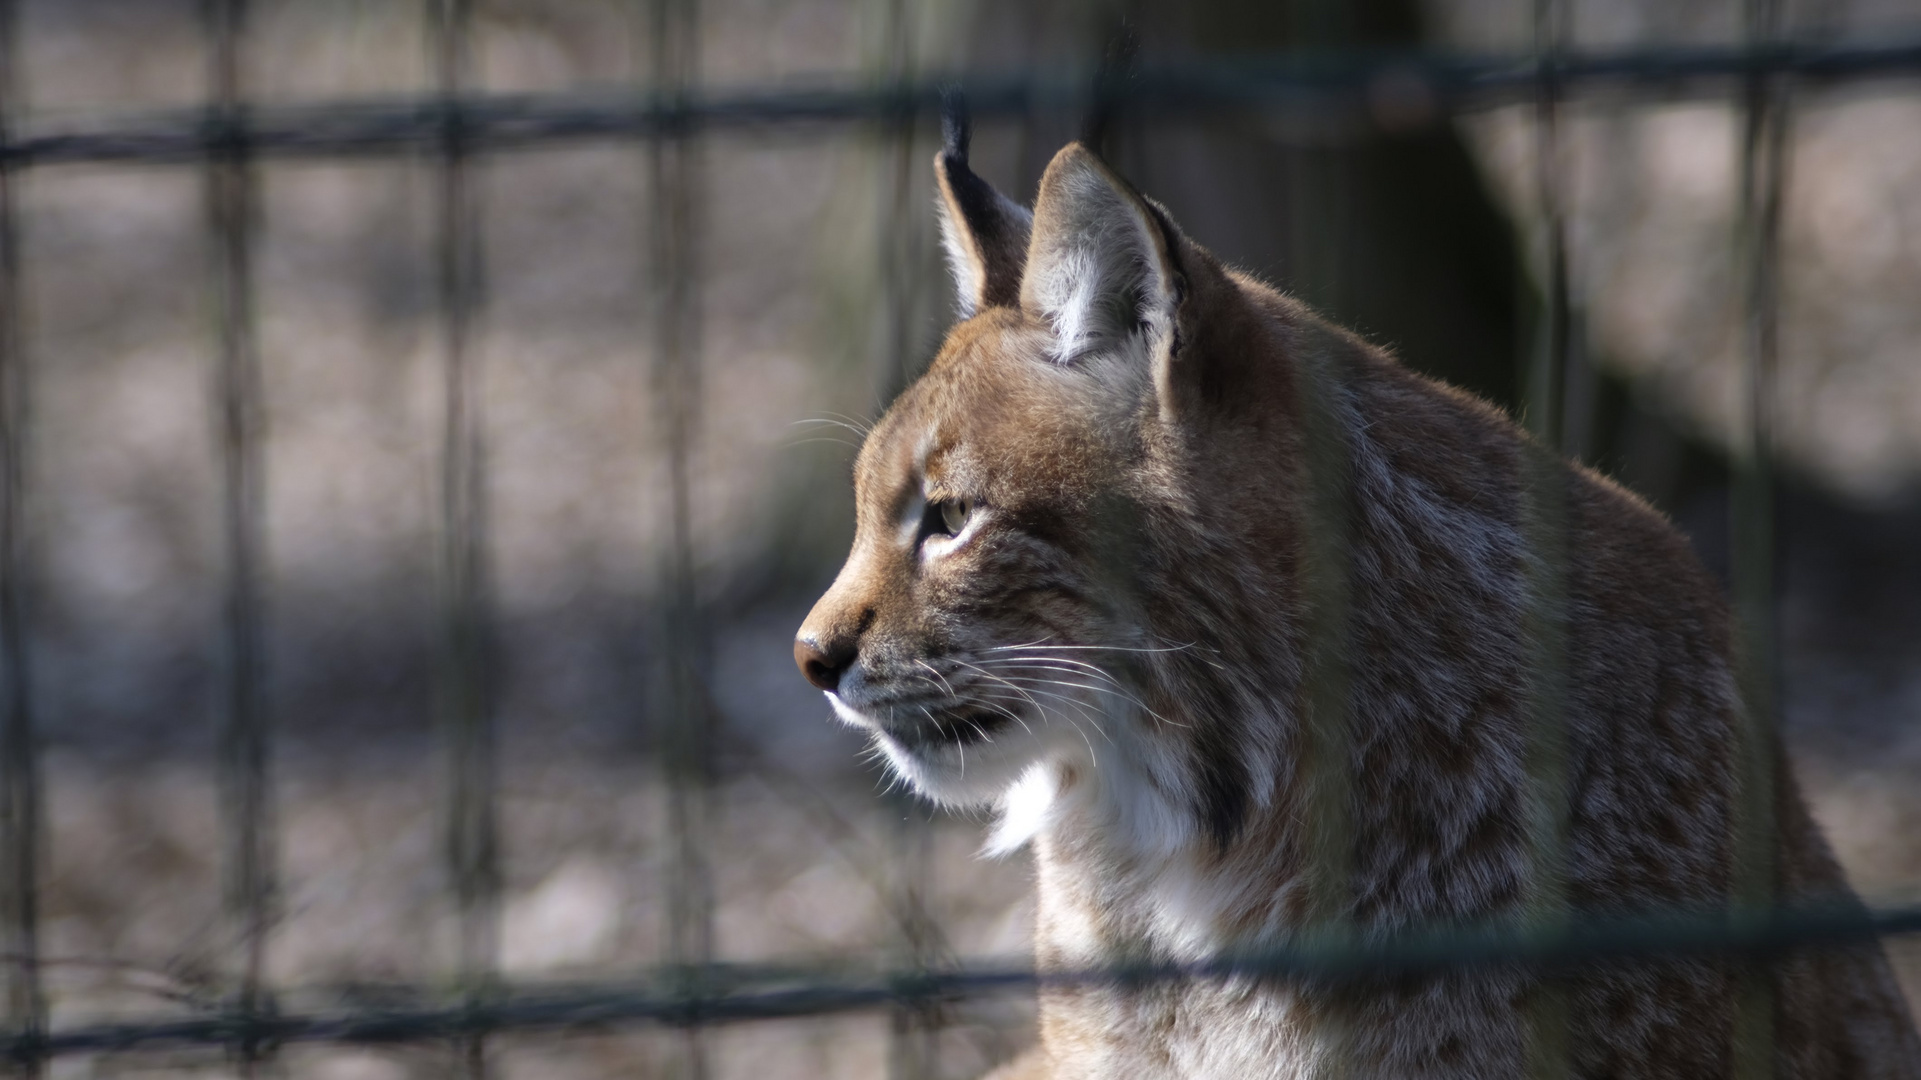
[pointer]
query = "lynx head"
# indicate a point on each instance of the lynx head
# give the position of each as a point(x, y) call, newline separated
point(993, 628)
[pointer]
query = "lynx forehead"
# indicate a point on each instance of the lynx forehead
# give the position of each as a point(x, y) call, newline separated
point(1078, 594)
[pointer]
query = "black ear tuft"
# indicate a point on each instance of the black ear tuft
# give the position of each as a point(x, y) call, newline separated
point(956, 126)
point(984, 232)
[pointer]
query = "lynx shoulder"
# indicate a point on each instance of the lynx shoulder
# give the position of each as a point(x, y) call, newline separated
point(1237, 622)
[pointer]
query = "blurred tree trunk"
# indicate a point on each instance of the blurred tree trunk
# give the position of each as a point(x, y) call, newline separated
point(1392, 234)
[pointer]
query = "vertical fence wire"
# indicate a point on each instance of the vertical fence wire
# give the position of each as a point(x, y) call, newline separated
point(1547, 535)
point(21, 806)
point(1325, 745)
point(1754, 528)
point(1545, 376)
point(913, 1029)
point(1321, 219)
point(687, 736)
point(1319, 215)
point(465, 698)
point(245, 738)
point(899, 266)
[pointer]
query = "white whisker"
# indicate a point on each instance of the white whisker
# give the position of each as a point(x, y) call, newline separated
point(823, 439)
point(1025, 692)
point(1078, 704)
point(1048, 663)
point(864, 427)
point(855, 428)
point(1005, 711)
point(996, 678)
point(936, 673)
point(1200, 651)
point(1117, 689)
point(1042, 645)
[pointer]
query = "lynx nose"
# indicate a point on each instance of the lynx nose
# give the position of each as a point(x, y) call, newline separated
point(823, 667)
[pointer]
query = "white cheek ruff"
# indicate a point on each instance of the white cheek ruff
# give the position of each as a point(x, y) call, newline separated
point(1025, 810)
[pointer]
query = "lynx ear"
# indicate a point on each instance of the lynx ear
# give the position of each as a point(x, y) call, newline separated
point(1098, 267)
point(984, 232)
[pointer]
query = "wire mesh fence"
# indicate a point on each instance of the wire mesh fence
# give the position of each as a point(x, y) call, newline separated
point(665, 116)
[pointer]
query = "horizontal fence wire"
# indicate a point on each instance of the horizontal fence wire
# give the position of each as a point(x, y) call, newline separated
point(1409, 87)
point(720, 994)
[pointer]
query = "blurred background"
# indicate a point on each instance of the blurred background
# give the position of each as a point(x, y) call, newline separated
point(663, 349)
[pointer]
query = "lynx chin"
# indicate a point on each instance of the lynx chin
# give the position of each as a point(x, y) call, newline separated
point(1088, 589)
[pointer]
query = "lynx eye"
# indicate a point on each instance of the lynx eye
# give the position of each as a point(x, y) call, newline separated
point(946, 517)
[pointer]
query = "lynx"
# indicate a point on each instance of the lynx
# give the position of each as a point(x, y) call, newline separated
point(1082, 592)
